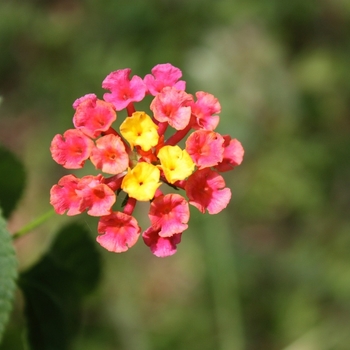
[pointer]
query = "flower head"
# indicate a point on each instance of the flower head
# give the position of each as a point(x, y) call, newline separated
point(141, 156)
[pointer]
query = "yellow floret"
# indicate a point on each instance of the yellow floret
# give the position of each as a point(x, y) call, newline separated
point(175, 163)
point(139, 130)
point(142, 181)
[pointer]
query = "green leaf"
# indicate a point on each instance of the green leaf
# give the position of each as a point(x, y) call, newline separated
point(8, 274)
point(54, 287)
point(12, 181)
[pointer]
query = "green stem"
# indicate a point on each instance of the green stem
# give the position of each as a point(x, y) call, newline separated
point(33, 224)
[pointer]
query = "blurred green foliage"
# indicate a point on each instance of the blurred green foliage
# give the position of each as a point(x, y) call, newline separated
point(11, 187)
point(8, 275)
point(271, 272)
point(53, 288)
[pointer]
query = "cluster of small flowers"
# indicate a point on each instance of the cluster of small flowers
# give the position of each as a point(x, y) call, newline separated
point(140, 159)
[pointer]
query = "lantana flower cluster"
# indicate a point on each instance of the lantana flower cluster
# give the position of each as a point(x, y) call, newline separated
point(138, 160)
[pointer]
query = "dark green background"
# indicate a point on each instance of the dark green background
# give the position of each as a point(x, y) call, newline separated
point(273, 270)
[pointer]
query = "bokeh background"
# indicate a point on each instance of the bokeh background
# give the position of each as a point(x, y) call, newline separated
point(273, 270)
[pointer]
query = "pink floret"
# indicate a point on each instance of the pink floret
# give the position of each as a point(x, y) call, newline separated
point(97, 197)
point(206, 190)
point(164, 75)
point(172, 106)
point(233, 154)
point(71, 149)
point(63, 196)
point(94, 116)
point(118, 232)
point(204, 110)
point(123, 89)
point(109, 155)
point(78, 101)
point(161, 246)
point(170, 214)
point(205, 148)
